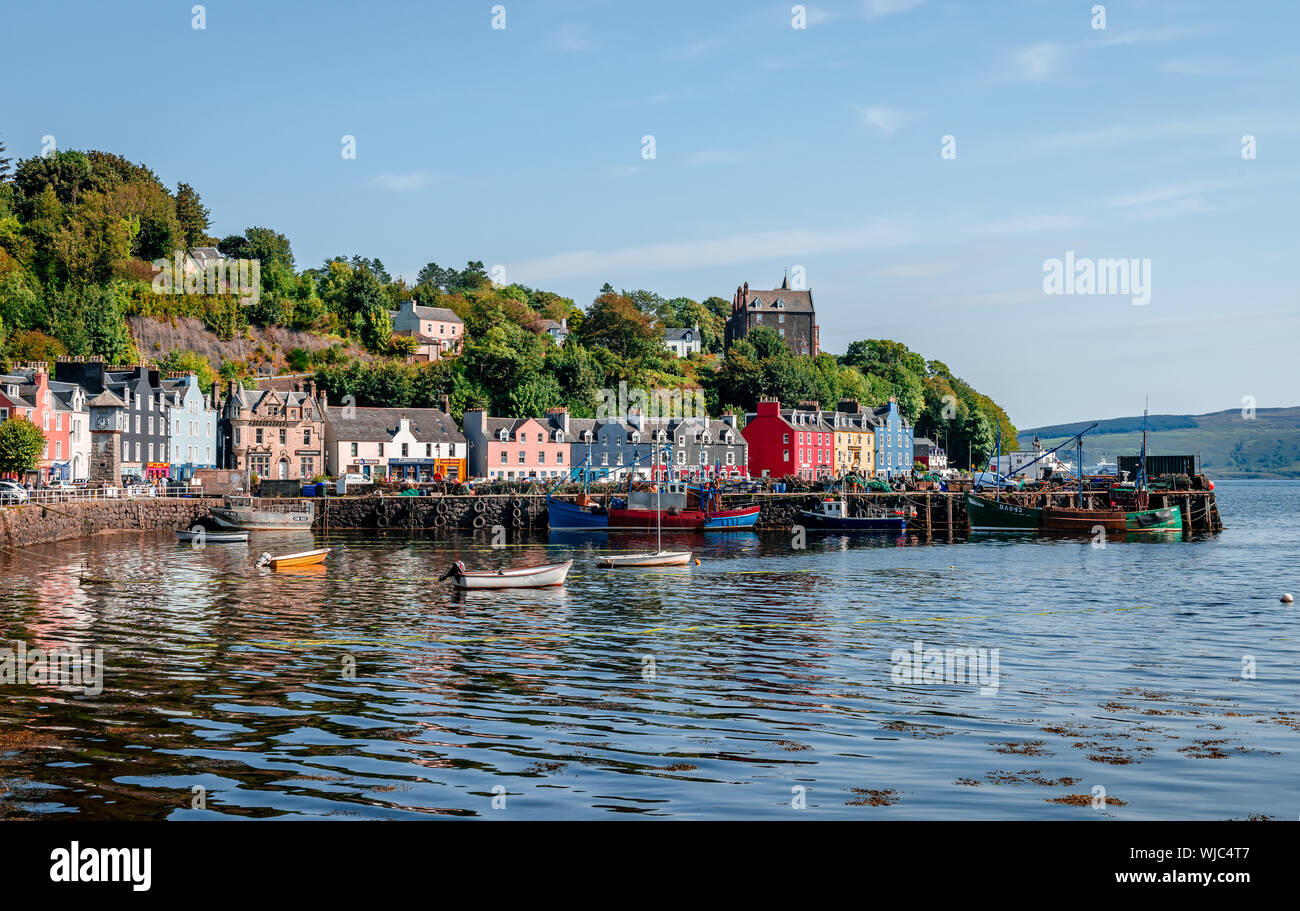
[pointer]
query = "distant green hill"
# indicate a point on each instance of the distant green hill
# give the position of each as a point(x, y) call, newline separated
point(1229, 445)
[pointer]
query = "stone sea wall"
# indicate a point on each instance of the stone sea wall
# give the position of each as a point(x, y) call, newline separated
point(28, 524)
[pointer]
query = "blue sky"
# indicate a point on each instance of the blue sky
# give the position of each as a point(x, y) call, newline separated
point(775, 147)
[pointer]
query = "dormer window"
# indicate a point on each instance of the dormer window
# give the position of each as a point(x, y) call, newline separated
point(559, 436)
point(635, 436)
point(503, 435)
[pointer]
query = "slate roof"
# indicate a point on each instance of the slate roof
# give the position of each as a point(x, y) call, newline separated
point(378, 425)
point(679, 335)
point(438, 313)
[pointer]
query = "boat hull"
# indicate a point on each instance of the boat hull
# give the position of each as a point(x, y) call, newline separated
point(661, 558)
point(213, 537)
point(306, 558)
point(252, 519)
point(987, 515)
point(731, 519)
point(564, 516)
point(814, 521)
point(532, 577)
point(694, 519)
point(1148, 521)
point(1067, 520)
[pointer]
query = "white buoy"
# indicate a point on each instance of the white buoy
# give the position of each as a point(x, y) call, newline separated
point(1287, 599)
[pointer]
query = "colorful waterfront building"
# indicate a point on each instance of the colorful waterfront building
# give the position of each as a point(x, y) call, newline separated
point(418, 444)
point(930, 454)
point(193, 440)
point(895, 454)
point(145, 438)
point(855, 439)
point(275, 434)
point(26, 394)
point(795, 442)
point(514, 449)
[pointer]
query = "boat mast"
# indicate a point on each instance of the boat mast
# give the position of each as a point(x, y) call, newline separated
point(997, 474)
point(659, 514)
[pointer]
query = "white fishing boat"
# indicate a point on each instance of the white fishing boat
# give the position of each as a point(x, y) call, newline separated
point(529, 577)
point(206, 536)
point(661, 558)
point(264, 514)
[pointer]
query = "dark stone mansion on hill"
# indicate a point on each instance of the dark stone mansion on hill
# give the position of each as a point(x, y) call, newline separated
point(785, 311)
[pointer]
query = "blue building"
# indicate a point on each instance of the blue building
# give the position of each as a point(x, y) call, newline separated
point(894, 441)
point(193, 440)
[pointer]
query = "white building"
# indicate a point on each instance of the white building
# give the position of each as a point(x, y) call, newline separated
point(683, 342)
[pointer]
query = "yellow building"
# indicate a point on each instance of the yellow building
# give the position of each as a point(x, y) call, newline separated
point(855, 439)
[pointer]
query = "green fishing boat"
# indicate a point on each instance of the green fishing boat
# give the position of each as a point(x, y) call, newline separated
point(987, 515)
point(1144, 519)
point(1165, 519)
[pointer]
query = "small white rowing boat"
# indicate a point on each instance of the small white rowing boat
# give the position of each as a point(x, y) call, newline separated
point(530, 577)
point(657, 558)
point(203, 536)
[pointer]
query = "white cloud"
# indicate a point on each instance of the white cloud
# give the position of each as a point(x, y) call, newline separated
point(879, 9)
point(402, 183)
point(1037, 62)
point(886, 120)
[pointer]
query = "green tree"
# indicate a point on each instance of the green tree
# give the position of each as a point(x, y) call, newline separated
point(182, 360)
point(192, 215)
point(21, 445)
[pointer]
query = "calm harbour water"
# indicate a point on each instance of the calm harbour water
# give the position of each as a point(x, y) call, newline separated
point(739, 688)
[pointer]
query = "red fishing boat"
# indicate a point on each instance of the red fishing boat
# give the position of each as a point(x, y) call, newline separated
point(676, 506)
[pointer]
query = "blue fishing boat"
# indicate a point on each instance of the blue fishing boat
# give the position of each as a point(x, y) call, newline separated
point(562, 515)
point(584, 515)
point(732, 519)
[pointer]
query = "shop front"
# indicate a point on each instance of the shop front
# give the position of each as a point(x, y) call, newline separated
point(155, 470)
point(427, 469)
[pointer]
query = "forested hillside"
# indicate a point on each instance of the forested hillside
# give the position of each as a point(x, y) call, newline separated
point(80, 231)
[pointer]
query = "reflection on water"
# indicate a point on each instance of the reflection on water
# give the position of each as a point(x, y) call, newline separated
point(365, 688)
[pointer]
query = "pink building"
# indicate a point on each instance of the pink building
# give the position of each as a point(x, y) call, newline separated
point(515, 448)
point(439, 331)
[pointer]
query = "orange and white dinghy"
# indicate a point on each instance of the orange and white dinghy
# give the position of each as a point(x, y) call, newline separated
point(293, 561)
point(529, 577)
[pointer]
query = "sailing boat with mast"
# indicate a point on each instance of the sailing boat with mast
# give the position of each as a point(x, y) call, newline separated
point(658, 557)
point(995, 515)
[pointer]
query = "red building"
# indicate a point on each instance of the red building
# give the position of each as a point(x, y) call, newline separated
point(799, 441)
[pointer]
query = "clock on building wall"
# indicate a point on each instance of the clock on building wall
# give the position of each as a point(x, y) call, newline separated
point(104, 422)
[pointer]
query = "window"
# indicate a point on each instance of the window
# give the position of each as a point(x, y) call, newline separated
point(137, 422)
point(785, 439)
point(781, 318)
point(541, 438)
point(681, 457)
point(604, 458)
point(405, 448)
point(503, 457)
point(381, 450)
point(681, 441)
point(428, 450)
point(259, 436)
point(352, 450)
point(523, 460)
point(731, 458)
point(58, 449)
point(559, 457)
point(785, 456)
point(541, 458)
point(284, 436)
point(236, 436)
point(306, 436)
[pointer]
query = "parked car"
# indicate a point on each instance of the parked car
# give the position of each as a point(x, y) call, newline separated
point(12, 492)
point(352, 478)
point(990, 480)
